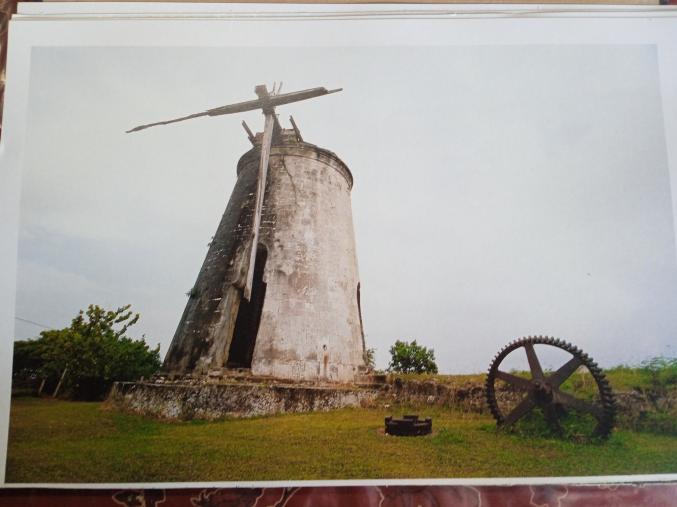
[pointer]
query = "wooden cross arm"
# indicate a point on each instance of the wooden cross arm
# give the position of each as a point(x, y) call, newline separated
point(265, 101)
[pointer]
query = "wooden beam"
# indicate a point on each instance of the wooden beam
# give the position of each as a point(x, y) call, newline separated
point(250, 134)
point(266, 102)
point(58, 386)
point(277, 130)
point(296, 129)
point(258, 206)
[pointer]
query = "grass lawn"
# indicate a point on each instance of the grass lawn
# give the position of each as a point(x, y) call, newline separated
point(60, 441)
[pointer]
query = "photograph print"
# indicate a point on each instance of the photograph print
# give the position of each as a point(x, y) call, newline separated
point(378, 262)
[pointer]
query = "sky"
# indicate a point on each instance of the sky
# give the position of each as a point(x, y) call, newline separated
point(500, 191)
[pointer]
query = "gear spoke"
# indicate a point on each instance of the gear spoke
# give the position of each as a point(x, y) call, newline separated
point(579, 404)
point(558, 378)
point(514, 380)
point(534, 363)
point(524, 407)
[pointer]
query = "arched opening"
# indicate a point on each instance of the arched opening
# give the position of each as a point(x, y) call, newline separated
point(249, 317)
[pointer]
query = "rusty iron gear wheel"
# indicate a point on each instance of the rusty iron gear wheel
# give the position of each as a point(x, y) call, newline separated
point(543, 390)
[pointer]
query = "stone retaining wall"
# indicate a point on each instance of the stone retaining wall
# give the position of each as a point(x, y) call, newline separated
point(180, 401)
point(467, 396)
point(213, 401)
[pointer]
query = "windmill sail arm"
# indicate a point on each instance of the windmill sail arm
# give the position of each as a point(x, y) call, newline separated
point(232, 108)
point(287, 98)
point(270, 101)
point(167, 122)
point(264, 102)
point(240, 107)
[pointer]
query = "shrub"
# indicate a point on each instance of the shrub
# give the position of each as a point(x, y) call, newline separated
point(662, 372)
point(411, 358)
point(369, 360)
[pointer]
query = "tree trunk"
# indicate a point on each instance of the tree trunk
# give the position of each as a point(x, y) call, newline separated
point(58, 386)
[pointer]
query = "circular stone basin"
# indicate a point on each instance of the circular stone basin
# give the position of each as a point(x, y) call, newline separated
point(408, 426)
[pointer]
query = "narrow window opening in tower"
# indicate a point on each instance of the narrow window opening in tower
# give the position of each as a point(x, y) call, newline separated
point(249, 317)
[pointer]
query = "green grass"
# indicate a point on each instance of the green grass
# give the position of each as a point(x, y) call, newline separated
point(60, 441)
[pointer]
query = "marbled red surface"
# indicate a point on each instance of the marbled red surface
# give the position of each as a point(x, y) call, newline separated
point(609, 495)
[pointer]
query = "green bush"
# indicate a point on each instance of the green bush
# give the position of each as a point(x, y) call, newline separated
point(83, 360)
point(411, 358)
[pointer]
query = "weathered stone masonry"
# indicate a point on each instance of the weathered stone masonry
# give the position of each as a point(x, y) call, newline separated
point(214, 399)
point(304, 320)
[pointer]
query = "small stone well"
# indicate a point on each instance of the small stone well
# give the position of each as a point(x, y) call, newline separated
point(408, 426)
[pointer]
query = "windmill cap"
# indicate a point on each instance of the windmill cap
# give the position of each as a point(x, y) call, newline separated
point(287, 143)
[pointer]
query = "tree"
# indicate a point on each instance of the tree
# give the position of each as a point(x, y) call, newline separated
point(369, 359)
point(83, 360)
point(411, 358)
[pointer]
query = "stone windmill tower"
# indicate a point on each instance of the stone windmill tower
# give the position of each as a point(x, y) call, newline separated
point(278, 292)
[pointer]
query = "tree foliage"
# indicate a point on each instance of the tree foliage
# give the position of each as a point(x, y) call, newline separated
point(369, 358)
point(93, 352)
point(411, 358)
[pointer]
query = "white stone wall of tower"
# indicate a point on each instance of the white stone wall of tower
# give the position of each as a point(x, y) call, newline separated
point(310, 324)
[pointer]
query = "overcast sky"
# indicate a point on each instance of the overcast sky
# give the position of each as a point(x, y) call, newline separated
point(499, 191)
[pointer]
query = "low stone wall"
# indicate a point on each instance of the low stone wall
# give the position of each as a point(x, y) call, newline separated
point(632, 407)
point(468, 397)
point(636, 409)
point(216, 400)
